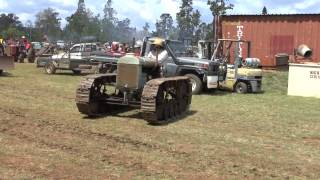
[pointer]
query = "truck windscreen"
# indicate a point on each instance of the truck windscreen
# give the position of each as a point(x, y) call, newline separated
point(180, 50)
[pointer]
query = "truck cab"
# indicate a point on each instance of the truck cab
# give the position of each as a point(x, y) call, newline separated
point(182, 61)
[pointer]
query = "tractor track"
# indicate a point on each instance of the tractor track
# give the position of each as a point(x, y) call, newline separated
point(162, 99)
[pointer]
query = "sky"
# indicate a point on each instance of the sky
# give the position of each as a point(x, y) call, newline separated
point(142, 11)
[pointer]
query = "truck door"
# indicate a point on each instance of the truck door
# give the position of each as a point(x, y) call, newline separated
point(169, 68)
point(75, 52)
point(74, 56)
point(63, 63)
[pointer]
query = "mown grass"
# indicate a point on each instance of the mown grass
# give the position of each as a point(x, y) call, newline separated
point(226, 135)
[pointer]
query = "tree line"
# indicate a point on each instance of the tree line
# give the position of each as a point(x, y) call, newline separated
point(84, 25)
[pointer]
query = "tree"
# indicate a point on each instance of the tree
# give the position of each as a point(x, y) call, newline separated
point(218, 8)
point(164, 25)
point(109, 22)
point(187, 20)
point(109, 12)
point(12, 32)
point(79, 23)
point(264, 11)
point(9, 20)
point(48, 23)
point(11, 26)
point(124, 31)
point(201, 32)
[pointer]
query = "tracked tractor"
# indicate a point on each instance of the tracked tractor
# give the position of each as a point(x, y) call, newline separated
point(139, 82)
point(6, 62)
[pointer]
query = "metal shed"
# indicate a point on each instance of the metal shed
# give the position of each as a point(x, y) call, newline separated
point(274, 35)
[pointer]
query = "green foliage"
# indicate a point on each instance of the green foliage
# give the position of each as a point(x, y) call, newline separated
point(187, 19)
point(48, 23)
point(9, 20)
point(264, 11)
point(83, 25)
point(145, 31)
point(219, 7)
point(12, 32)
point(165, 25)
point(10, 26)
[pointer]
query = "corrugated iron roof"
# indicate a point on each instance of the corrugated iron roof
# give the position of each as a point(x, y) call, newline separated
point(300, 14)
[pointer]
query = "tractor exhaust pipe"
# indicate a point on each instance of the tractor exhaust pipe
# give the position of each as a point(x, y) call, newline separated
point(304, 51)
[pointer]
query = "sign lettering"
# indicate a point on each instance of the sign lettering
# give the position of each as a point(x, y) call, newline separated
point(240, 35)
point(314, 74)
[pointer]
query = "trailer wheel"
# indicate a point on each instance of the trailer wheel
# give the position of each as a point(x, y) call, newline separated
point(241, 88)
point(50, 68)
point(196, 83)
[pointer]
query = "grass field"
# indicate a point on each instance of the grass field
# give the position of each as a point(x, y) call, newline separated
point(225, 135)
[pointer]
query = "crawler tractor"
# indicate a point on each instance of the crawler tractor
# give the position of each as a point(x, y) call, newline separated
point(139, 83)
point(6, 62)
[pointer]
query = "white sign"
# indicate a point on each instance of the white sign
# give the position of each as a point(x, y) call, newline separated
point(240, 35)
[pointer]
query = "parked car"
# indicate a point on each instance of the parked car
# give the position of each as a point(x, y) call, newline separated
point(36, 46)
point(61, 44)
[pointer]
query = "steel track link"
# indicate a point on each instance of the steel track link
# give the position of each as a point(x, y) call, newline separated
point(85, 103)
point(155, 112)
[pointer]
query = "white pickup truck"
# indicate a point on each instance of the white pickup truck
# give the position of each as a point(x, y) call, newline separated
point(69, 60)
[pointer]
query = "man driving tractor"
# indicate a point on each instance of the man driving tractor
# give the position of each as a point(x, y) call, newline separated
point(158, 52)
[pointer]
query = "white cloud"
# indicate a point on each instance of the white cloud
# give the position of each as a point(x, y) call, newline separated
point(247, 7)
point(305, 4)
point(148, 10)
point(24, 17)
point(3, 4)
point(65, 2)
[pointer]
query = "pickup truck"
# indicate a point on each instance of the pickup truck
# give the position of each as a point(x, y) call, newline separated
point(76, 56)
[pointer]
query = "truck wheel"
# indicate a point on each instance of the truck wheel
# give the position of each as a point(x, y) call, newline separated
point(196, 83)
point(50, 68)
point(1, 71)
point(241, 88)
point(76, 71)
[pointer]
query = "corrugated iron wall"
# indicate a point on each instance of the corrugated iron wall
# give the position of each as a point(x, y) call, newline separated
point(273, 34)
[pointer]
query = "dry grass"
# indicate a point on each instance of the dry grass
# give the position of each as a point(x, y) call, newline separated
point(226, 135)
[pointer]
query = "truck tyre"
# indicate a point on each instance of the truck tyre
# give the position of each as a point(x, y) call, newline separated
point(196, 83)
point(241, 88)
point(1, 71)
point(50, 68)
point(76, 71)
